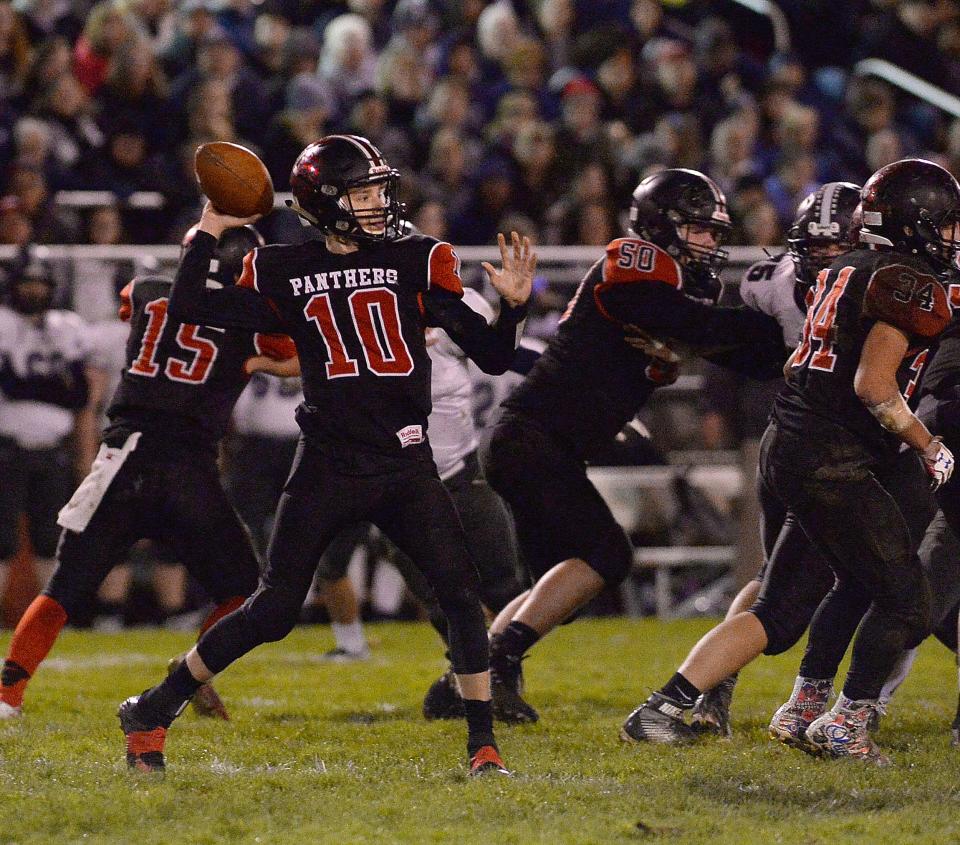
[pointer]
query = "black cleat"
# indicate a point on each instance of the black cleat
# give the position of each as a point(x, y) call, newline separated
point(144, 741)
point(711, 713)
point(506, 686)
point(443, 700)
point(659, 719)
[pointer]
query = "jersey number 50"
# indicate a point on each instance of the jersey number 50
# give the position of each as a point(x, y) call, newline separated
point(376, 320)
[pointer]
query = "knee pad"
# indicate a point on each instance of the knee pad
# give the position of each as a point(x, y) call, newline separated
point(273, 612)
point(783, 630)
point(612, 557)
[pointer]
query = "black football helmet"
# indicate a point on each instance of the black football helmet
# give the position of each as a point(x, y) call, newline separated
point(31, 301)
point(905, 206)
point(324, 173)
point(824, 218)
point(227, 262)
point(666, 201)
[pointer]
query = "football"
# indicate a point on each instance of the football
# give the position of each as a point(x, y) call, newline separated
point(233, 179)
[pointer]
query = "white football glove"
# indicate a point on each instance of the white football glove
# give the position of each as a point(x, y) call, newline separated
point(938, 462)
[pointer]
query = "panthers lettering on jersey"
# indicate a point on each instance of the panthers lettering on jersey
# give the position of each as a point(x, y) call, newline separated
point(358, 322)
point(41, 367)
point(179, 377)
point(856, 291)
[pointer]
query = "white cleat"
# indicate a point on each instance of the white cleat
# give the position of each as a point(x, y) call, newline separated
point(343, 655)
point(8, 711)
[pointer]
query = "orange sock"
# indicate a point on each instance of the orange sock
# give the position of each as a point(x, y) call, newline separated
point(33, 638)
point(221, 610)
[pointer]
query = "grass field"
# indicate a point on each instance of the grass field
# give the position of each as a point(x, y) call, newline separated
point(319, 753)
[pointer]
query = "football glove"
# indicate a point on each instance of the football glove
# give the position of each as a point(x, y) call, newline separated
point(938, 462)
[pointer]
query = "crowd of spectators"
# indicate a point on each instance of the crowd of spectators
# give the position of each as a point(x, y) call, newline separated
point(539, 115)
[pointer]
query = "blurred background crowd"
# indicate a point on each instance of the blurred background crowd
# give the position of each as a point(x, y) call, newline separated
point(539, 115)
point(534, 115)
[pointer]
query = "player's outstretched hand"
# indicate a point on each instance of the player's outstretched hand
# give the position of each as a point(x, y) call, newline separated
point(515, 281)
point(216, 223)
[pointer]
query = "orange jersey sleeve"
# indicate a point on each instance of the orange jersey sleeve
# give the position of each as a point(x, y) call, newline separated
point(248, 276)
point(125, 311)
point(443, 269)
point(277, 346)
point(907, 298)
point(633, 260)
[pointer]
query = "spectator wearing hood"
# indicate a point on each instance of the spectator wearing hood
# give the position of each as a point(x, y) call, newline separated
point(309, 105)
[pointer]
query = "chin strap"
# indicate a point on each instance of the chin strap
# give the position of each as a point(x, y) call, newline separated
point(306, 218)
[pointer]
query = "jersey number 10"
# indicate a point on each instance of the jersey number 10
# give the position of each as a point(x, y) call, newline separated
point(376, 321)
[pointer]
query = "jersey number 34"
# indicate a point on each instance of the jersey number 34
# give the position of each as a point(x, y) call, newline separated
point(818, 328)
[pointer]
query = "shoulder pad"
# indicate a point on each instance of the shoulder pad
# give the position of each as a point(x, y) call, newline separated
point(248, 276)
point(634, 260)
point(908, 298)
point(443, 267)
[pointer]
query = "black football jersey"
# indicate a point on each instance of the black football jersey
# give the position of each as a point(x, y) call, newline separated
point(180, 379)
point(942, 374)
point(591, 382)
point(856, 291)
point(358, 323)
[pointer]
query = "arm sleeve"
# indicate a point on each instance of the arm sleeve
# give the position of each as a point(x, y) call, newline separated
point(236, 307)
point(491, 347)
point(759, 361)
point(524, 359)
point(662, 309)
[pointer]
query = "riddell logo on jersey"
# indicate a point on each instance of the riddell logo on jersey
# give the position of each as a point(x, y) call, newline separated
point(362, 277)
point(410, 435)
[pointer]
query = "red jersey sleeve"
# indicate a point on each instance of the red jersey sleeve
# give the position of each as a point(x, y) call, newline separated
point(276, 346)
point(908, 299)
point(248, 276)
point(443, 269)
point(126, 302)
point(633, 260)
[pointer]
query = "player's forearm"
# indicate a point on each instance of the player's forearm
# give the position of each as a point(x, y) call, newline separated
point(881, 396)
point(756, 361)
point(666, 312)
point(187, 296)
point(491, 347)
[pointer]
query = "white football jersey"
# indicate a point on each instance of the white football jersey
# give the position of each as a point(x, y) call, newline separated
point(768, 287)
point(28, 350)
point(453, 435)
point(108, 352)
point(267, 406)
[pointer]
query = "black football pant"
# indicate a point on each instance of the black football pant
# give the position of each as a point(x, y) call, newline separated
point(490, 540)
point(254, 477)
point(176, 500)
point(410, 506)
point(862, 536)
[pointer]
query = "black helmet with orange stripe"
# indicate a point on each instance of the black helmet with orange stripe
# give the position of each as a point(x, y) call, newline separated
point(667, 206)
point(324, 182)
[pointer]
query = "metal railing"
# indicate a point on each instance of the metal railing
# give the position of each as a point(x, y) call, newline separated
point(909, 83)
point(778, 21)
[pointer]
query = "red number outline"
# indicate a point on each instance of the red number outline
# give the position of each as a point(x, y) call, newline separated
point(204, 351)
point(819, 323)
point(385, 351)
